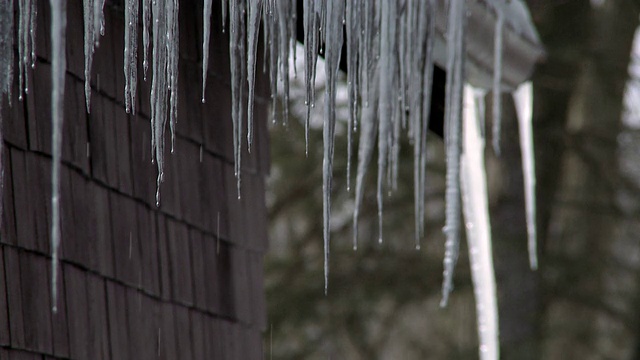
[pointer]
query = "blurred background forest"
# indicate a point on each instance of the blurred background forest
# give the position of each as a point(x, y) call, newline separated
point(582, 303)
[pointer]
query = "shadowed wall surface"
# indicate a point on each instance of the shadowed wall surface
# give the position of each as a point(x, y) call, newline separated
point(182, 280)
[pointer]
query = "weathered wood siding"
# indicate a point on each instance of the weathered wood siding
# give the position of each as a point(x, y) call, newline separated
point(137, 281)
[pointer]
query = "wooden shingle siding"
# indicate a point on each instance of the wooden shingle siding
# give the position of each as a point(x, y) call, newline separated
point(180, 281)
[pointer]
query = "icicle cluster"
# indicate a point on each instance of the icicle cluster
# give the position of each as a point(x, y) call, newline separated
point(390, 60)
point(93, 27)
point(164, 86)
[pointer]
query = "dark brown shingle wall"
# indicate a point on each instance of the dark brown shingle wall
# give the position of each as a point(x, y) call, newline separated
point(136, 281)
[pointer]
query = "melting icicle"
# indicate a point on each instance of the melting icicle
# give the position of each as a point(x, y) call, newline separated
point(387, 95)
point(453, 112)
point(253, 28)
point(523, 99)
point(311, 25)
point(93, 25)
point(283, 9)
point(238, 77)
point(146, 25)
point(476, 213)
point(58, 70)
point(206, 34)
point(420, 104)
point(353, 36)
point(164, 87)
point(130, 55)
point(497, 77)
point(6, 48)
point(26, 42)
point(335, 13)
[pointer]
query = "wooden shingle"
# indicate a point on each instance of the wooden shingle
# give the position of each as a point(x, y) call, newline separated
point(5, 334)
point(98, 331)
point(148, 248)
point(14, 296)
point(102, 229)
point(8, 226)
point(36, 305)
point(118, 326)
point(125, 239)
point(78, 314)
point(180, 261)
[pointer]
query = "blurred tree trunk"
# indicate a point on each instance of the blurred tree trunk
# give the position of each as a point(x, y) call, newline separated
point(581, 94)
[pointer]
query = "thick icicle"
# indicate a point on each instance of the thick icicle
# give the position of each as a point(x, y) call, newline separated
point(130, 55)
point(453, 113)
point(333, 48)
point(206, 35)
point(164, 87)
point(253, 29)
point(523, 99)
point(476, 213)
point(238, 77)
point(6, 48)
point(58, 71)
point(387, 96)
point(26, 42)
point(497, 76)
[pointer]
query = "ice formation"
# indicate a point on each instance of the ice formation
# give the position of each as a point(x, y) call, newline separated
point(58, 73)
point(475, 202)
point(390, 59)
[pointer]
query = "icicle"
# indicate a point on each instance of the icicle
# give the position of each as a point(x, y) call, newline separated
point(368, 132)
point(146, 25)
point(283, 13)
point(164, 87)
point(253, 28)
point(333, 48)
point(523, 99)
point(172, 65)
point(238, 78)
point(453, 112)
point(206, 34)
point(131, 55)
point(26, 42)
point(353, 44)
point(58, 71)
point(476, 213)
point(6, 48)
point(497, 77)
point(273, 54)
point(387, 95)
point(89, 35)
point(225, 6)
point(93, 25)
point(311, 24)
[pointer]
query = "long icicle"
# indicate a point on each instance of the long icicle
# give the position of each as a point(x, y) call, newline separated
point(58, 72)
point(130, 55)
point(476, 213)
point(386, 96)
point(238, 78)
point(206, 35)
point(26, 42)
point(453, 114)
point(6, 49)
point(333, 48)
point(253, 28)
point(353, 44)
point(523, 99)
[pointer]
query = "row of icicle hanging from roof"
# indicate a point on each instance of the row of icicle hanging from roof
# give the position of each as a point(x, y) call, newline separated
point(390, 70)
